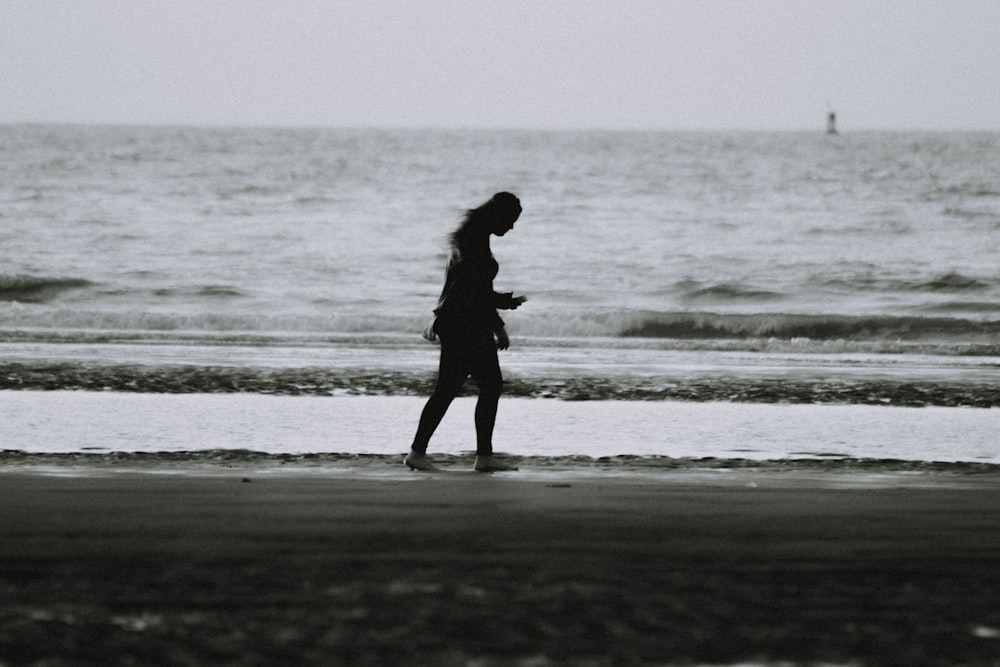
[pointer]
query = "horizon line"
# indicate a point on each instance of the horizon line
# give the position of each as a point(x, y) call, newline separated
point(819, 128)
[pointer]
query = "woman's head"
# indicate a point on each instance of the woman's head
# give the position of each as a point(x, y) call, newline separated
point(496, 216)
point(502, 211)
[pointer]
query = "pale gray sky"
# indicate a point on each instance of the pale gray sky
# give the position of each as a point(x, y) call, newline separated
point(674, 64)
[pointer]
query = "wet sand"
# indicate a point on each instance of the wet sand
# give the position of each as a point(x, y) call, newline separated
point(827, 388)
point(378, 566)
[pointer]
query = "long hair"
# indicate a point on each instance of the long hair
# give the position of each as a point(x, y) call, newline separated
point(474, 228)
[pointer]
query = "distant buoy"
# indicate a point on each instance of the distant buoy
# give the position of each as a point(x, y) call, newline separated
point(831, 123)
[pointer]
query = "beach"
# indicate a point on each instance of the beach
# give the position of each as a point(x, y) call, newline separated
point(752, 397)
point(370, 564)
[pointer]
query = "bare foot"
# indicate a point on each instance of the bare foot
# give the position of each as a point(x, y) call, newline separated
point(417, 461)
point(491, 464)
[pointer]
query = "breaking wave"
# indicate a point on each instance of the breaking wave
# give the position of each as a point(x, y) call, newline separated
point(728, 291)
point(685, 330)
point(947, 282)
point(32, 289)
point(813, 327)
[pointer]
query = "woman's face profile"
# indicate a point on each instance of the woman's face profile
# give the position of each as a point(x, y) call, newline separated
point(504, 221)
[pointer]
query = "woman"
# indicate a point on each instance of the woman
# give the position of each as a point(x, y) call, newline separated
point(470, 331)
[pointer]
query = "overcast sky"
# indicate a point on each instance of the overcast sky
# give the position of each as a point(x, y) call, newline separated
point(673, 64)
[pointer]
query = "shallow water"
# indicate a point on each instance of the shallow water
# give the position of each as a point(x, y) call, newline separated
point(103, 422)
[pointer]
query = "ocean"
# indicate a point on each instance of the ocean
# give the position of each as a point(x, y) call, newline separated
point(667, 268)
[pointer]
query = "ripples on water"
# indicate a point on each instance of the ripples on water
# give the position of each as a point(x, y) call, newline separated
point(623, 233)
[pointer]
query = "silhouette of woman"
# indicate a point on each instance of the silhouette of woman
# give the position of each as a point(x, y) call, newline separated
point(470, 331)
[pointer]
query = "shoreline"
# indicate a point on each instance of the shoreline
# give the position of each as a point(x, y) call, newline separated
point(649, 469)
point(346, 569)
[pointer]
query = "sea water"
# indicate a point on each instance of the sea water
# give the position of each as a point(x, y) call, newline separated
point(647, 257)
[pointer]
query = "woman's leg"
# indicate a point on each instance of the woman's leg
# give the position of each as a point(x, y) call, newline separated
point(451, 375)
point(431, 416)
point(486, 373)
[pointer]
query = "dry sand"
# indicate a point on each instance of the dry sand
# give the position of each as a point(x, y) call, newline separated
point(382, 567)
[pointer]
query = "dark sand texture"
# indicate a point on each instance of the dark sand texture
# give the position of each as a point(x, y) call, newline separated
point(322, 381)
point(688, 567)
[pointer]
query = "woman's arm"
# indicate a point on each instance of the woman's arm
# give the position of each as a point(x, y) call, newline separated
point(507, 300)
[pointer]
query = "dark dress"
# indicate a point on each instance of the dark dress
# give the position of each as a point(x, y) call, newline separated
point(468, 305)
point(465, 322)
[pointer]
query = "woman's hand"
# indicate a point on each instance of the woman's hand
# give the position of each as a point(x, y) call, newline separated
point(507, 300)
point(503, 341)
